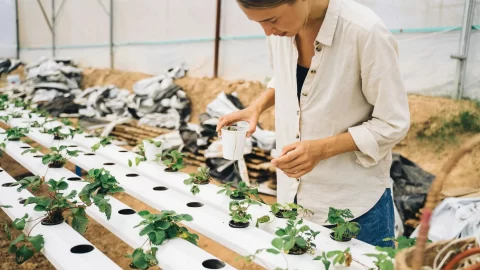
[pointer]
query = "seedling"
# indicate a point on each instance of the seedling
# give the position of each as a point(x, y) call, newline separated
point(66, 122)
point(158, 228)
point(34, 182)
point(339, 257)
point(56, 204)
point(238, 212)
point(242, 191)
point(343, 230)
point(201, 177)
point(35, 124)
point(173, 160)
point(18, 103)
point(55, 159)
point(15, 133)
point(5, 118)
point(383, 261)
point(288, 210)
point(57, 133)
point(104, 141)
point(141, 157)
point(102, 183)
point(24, 246)
point(16, 115)
point(232, 128)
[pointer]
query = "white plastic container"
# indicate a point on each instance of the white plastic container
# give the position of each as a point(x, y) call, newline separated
point(151, 150)
point(233, 142)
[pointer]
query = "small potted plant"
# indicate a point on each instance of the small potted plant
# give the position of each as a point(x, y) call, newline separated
point(344, 230)
point(233, 142)
point(140, 158)
point(242, 191)
point(152, 149)
point(295, 239)
point(35, 124)
point(104, 141)
point(289, 210)
point(173, 160)
point(57, 133)
point(16, 133)
point(16, 115)
point(102, 183)
point(339, 257)
point(159, 228)
point(238, 212)
point(201, 177)
point(55, 158)
point(25, 245)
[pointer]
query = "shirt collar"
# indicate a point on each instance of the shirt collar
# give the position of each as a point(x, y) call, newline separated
point(327, 31)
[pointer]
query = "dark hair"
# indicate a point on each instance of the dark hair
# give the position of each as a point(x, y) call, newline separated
point(262, 4)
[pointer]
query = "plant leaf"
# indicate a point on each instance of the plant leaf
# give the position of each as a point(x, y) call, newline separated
point(300, 241)
point(273, 251)
point(5, 206)
point(80, 220)
point(278, 243)
point(37, 242)
point(23, 254)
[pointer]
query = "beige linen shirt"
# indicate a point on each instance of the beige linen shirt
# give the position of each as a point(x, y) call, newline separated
point(354, 85)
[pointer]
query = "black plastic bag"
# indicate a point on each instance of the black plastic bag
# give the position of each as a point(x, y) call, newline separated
point(228, 174)
point(410, 188)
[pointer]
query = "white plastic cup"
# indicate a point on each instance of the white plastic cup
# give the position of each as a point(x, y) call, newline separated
point(233, 142)
point(151, 151)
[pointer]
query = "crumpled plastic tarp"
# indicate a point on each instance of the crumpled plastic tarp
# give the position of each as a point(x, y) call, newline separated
point(103, 101)
point(8, 65)
point(454, 218)
point(410, 187)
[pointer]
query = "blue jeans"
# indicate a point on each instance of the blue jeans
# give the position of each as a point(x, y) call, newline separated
point(378, 223)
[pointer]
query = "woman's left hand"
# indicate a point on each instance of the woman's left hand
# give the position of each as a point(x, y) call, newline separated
point(299, 158)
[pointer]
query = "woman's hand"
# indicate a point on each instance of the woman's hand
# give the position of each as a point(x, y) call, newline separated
point(250, 114)
point(299, 158)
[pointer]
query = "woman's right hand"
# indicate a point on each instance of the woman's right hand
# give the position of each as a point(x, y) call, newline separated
point(250, 114)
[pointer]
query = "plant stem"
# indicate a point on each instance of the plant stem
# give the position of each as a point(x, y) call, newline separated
point(32, 228)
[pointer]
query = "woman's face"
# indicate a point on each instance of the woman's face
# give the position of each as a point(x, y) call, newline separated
point(284, 20)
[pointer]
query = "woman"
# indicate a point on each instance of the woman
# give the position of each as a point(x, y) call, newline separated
point(340, 108)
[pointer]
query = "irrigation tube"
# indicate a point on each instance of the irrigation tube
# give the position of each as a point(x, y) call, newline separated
point(226, 38)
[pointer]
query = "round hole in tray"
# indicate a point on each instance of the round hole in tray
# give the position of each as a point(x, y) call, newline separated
point(194, 204)
point(109, 164)
point(89, 136)
point(1, 170)
point(89, 154)
point(74, 179)
point(161, 188)
point(38, 156)
point(22, 201)
point(213, 264)
point(9, 184)
point(126, 212)
point(123, 151)
point(25, 147)
point(81, 249)
point(132, 175)
point(72, 146)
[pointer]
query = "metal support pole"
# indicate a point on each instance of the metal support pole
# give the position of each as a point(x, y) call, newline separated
point(18, 29)
point(217, 38)
point(112, 53)
point(53, 28)
point(463, 47)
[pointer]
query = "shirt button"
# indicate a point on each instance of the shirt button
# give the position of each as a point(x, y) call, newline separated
point(317, 42)
point(304, 94)
point(298, 112)
point(313, 71)
point(298, 136)
point(298, 179)
point(319, 48)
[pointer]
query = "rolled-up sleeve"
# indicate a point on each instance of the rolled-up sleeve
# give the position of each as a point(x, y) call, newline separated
point(271, 83)
point(383, 88)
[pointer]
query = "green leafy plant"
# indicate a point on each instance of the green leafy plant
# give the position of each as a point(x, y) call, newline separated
point(66, 122)
point(24, 246)
point(156, 143)
point(57, 133)
point(288, 210)
point(35, 124)
point(5, 206)
point(104, 141)
point(238, 211)
point(383, 261)
point(5, 118)
point(16, 115)
point(34, 182)
point(55, 159)
point(343, 230)
point(19, 103)
point(295, 238)
point(159, 228)
point(57, 204)
point(101, 184)
point(15, 133)
point(201, 177)
point(140, 158)
point(339, 257)
point(241, 192)
point(173, 160)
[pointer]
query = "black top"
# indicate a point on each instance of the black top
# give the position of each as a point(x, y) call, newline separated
point(301, 75)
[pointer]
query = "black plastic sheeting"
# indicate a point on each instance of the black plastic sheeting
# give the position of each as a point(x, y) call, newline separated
point(61, 105)
point(228, 174)
point(410, 188)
